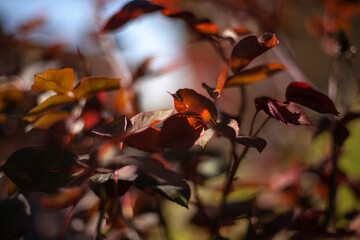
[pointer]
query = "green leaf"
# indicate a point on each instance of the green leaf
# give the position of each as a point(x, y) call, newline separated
point(14, 217)
point(42, 168)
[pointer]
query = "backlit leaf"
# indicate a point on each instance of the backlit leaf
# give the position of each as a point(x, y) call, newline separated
point(50, 103)
point(206, 28)
point(130, 11)
point(89, 86)
point(189, 102)
point(144, 120)
point(63, 199)
point(205, 137)
point(301, 93)
point(47, 120)
point(14, 217)
point(216, 92)
point(58, 80)
point(249, 48)
point(42, 168)
point(286, 113)
point(179, 133)
point(254, 74)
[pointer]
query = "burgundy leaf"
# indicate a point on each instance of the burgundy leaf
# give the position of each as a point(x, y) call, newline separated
point(301, 93)
point(179, 132)
point(131, 10)
point(249, 48)
point(115, 128)
point(286, 113)
point(145, 140)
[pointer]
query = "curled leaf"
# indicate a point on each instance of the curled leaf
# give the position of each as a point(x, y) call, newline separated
point(249, 48)
point(254, 74)
point(216, 92)
point(130, 11)
point(286, 113)
point(301, 93)
point(115, 128)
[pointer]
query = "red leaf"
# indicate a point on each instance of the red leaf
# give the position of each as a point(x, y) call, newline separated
point(286, 113)
point(301, 93)
point(249, 48)
point(180, 132)
point(216, 92)
point(131, 10)
point(189, 102)
point(145, 140)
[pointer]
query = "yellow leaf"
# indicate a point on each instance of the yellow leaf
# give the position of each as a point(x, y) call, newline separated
point(91, 85)
point(254, 74)
point(58, 80)
point(51, 102)
point(47, 120)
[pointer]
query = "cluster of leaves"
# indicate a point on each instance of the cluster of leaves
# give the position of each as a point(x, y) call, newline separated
point(110, 172)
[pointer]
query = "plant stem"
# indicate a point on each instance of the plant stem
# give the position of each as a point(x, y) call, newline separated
point(102, 210)
point(66, 222)
point(330, 211)
point(243, 103)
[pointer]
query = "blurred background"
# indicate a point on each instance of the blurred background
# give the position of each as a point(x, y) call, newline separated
point(46, 34)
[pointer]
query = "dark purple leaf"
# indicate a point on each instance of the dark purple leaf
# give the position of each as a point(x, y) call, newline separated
point(254, 142)
point(115, 128)
point(249, 48)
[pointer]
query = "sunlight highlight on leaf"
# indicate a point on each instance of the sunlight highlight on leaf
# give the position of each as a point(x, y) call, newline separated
point(58, 80)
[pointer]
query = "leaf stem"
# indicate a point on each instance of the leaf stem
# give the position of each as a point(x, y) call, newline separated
point(102, 210)
point(66, 222)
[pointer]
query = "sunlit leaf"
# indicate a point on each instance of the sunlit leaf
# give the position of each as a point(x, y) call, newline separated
point(63, 199)
point(254, 74)
point(50, 103)
point(89, 86)
point(144, 120)
point(205, 137)
point(206, 28)
point(130, 11)
point(179, 133)
point(47, 120)
point(189, 102)
point(42, 168)
point(286, 113)
point(249, 48)
point(301, 93)
point(58, 80)
point(14, 217)
point(115, 128)
point(216, 92)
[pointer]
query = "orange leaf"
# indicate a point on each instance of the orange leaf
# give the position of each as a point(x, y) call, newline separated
point(47, 120)
point(189, 102)
point(89, 86)
point(254, 74)
point(249, 48)
point(206, 28)
point(58, 80)
point(10, 95)
point(51, 102)
point(215, 93)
